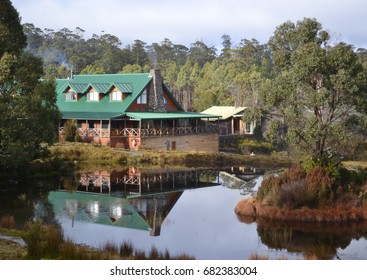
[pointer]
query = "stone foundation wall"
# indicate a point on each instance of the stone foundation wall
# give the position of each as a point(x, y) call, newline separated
point(204, 142)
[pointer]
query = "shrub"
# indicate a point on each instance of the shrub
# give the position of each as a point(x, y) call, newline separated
point(248, 146)
point(35, 239)
point(70, 131)
point(42, 241)
point(297, 188)
point(269, 188)
point(296, 194)
point(321, 183)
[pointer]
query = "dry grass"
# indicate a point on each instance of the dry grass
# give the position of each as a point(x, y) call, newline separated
point(337, 214)
point(10, 250)
point(256, 256)
point(127, 251)
point(87, 152)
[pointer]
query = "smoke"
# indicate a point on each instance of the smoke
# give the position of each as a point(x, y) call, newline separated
point(52, 56)
point(152, 55)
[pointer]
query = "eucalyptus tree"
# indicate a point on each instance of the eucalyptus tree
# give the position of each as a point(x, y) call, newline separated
point(28, 112)
point(317, 87)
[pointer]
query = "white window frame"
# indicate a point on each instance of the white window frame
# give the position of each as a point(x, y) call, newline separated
point(93, 95)
point(116, 95)
point(142, 99)
point(71, 96)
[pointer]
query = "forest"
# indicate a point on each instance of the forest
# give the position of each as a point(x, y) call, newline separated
point(199, 75)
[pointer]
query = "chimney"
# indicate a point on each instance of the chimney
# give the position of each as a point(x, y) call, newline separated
point(156, 99)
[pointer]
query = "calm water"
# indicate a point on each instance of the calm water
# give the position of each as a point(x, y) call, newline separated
point(182, 210)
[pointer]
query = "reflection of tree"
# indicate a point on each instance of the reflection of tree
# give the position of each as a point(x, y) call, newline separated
point(70, 183)
point(313, 240)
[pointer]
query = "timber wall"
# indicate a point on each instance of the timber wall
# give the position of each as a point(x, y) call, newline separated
point(203, 142)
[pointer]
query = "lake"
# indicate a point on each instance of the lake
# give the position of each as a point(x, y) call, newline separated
point(182, 210)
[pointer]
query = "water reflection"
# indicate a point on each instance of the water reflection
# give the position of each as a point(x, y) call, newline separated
point(182, 210)
point(132, 198)
point(314, 241)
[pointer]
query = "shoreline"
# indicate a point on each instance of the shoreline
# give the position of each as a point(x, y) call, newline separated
point(250, 209)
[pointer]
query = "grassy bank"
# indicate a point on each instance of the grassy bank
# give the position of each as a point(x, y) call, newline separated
point(83, 152)
point(47, 242)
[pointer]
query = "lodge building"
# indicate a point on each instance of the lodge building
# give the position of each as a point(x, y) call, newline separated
point(133, 111)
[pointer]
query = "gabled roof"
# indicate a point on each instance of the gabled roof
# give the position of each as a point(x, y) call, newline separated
point(106, 109)
point(225, 111)
point(124, 87)
point(133, 84)
point(77, 87)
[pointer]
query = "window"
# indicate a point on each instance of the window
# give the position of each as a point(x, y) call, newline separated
point(71, 96)
point(248, 127)
point(116, 95)
point(142, 99)
point(93, 96)
point(165, 100)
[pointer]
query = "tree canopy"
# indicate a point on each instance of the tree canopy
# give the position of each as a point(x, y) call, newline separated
point(316, 87)
point(28, 112)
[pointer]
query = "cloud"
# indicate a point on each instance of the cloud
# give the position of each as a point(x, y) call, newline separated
point(185, 22)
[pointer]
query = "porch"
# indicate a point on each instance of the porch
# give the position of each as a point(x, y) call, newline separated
point(143, 132)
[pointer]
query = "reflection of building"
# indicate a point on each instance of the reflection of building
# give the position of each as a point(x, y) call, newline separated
point(95, 208)
point(134, 182)
point(131, 198)
point(245, 173)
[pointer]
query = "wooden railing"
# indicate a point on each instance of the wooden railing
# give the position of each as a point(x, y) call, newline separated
point(144, 132)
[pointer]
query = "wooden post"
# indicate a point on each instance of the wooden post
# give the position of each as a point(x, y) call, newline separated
point(232, 126)
point(139, 133)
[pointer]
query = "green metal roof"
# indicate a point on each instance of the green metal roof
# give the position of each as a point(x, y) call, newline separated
point(92, 115)
point(125, 87)
point(77, 87)
point(168, 115)
point(134, 83)
point(101, 87)
point(96, 208)
point(104, 109)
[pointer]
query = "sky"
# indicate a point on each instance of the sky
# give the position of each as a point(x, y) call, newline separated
point(187, 21)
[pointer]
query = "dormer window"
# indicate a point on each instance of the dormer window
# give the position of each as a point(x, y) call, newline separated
point(71, 96)
point(116, 95)
point(93, 96)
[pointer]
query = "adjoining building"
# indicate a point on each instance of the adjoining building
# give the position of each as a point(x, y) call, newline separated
point(133, 111)
point(231, 120)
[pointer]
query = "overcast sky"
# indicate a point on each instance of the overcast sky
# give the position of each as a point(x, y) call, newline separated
point(186, 21)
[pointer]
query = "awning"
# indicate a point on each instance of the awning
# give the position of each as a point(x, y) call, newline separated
point(168, 115)
point(92, 115)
